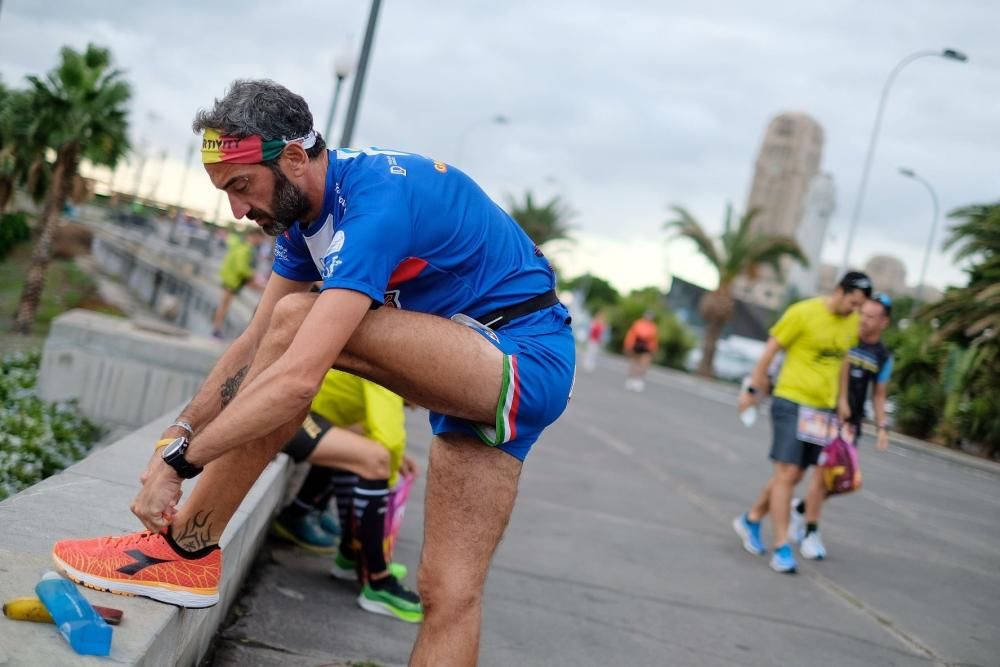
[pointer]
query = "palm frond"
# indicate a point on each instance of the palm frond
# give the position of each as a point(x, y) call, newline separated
point(686, 226)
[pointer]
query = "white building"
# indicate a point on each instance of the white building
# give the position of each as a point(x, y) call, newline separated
point(821, 201)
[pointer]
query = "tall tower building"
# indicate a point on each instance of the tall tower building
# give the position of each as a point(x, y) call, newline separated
point(788, 161)
point(821, 201)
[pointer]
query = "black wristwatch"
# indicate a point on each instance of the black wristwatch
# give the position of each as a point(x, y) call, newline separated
point(173, 456)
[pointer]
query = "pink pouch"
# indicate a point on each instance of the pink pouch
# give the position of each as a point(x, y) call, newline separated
point(395, 510)
point(838, 462)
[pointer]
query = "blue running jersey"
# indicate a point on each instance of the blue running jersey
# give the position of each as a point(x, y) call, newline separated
point(415, 234)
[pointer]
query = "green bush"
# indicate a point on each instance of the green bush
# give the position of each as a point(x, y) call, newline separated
point(37, 439)
point(13, 230)
point(918, 409)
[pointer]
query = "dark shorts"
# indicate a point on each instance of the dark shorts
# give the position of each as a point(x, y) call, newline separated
point(302, 444)
point(785, 445)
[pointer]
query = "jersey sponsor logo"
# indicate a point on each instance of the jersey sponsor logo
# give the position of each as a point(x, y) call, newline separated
point(440, 166)
point(336, 243)
point(280, 252)
point(351, 153)
point(331, 259)
point(391, 299)
point(330, 264)
point(397, 170)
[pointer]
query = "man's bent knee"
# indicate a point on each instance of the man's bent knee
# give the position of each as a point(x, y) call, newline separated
point(445, 594)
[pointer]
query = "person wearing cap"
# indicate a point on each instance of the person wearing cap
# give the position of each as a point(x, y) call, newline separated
point(869, 363)
point(816, 335)
point(640, 345)
point(429, 289)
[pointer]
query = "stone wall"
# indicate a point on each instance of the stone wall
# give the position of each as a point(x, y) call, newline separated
point(123, 373)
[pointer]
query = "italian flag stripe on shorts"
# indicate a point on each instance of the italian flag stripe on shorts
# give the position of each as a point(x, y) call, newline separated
point(507, 406)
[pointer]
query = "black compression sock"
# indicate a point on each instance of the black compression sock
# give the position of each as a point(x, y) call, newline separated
point(370, 499)
point(811, 528)
point(343, 488)
point(315, 486)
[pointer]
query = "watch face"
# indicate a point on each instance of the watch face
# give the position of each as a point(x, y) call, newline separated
point(174, 447)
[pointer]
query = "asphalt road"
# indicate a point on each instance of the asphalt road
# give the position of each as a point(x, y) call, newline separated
point(620, 552)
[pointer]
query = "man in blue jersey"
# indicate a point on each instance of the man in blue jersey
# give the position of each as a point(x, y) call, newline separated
point(428, 289)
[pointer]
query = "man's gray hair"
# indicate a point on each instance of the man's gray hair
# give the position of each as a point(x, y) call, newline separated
point(259, 107)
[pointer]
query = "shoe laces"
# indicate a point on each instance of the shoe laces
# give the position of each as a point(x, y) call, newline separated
point(393, 586)
point(129, 539)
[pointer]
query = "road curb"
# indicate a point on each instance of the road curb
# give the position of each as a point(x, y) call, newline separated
point(942, 452)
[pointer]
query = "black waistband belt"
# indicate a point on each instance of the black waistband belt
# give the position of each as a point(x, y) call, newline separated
point(502, 316)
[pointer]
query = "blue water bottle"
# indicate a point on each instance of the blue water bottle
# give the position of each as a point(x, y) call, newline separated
point(76, 619)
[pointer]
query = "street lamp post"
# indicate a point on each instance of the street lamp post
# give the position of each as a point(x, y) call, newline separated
point(359, 78)
point(949, 54)
point(343, 65)
point(498, 119)
point(909, 173)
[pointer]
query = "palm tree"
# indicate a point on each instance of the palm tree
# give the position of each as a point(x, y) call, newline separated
point(974, 310)
point(80, 107)
point(22, 148)
point(738, 252)
point(970, 316)
point(544, 223)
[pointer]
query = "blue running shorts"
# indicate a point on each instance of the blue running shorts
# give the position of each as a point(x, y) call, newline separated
point(539, 371)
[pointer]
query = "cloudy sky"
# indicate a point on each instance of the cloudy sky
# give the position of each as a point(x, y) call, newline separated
point(620, 108)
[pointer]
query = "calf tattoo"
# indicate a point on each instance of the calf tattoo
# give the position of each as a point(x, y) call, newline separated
point(196, 533)
point(232, 385)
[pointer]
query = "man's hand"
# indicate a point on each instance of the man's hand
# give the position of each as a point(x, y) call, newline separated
point(409, 467)
point(843, 411)
point(882, 443)
point(156, 504)
point(746, 400)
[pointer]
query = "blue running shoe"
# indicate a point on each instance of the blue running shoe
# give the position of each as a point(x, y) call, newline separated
point(328, 523)
point(783, 560)
point(749, 532)
point(304, 531)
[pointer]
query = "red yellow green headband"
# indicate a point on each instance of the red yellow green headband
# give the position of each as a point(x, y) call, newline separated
point(216, 147)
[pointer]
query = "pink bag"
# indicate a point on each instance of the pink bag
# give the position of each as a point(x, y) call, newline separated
point(838, 463)
point(395, 510)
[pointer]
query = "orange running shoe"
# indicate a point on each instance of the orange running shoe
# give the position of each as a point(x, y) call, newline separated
point(147, 564)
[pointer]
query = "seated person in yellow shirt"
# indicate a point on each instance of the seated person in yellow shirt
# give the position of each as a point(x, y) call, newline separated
point(354, 437)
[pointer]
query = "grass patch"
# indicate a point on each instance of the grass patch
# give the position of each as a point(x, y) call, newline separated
point(67, 286)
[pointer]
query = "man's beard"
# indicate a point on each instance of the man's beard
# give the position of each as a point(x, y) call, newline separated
point(288, 204)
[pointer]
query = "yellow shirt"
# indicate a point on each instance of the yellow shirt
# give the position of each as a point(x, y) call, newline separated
point(815, 342)
point(346, 400)
point(237, 266)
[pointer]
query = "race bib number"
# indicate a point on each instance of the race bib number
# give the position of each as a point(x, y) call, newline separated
point(815, 426)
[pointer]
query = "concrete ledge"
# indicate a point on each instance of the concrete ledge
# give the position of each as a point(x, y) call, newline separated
point(90, 499)
point(122, 374)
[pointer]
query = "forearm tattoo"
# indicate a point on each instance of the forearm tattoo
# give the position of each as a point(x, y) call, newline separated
point(196, 533)
point(232, 385)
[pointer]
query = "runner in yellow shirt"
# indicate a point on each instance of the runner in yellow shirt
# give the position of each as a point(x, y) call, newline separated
point(355, 438)
point(815, 335)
